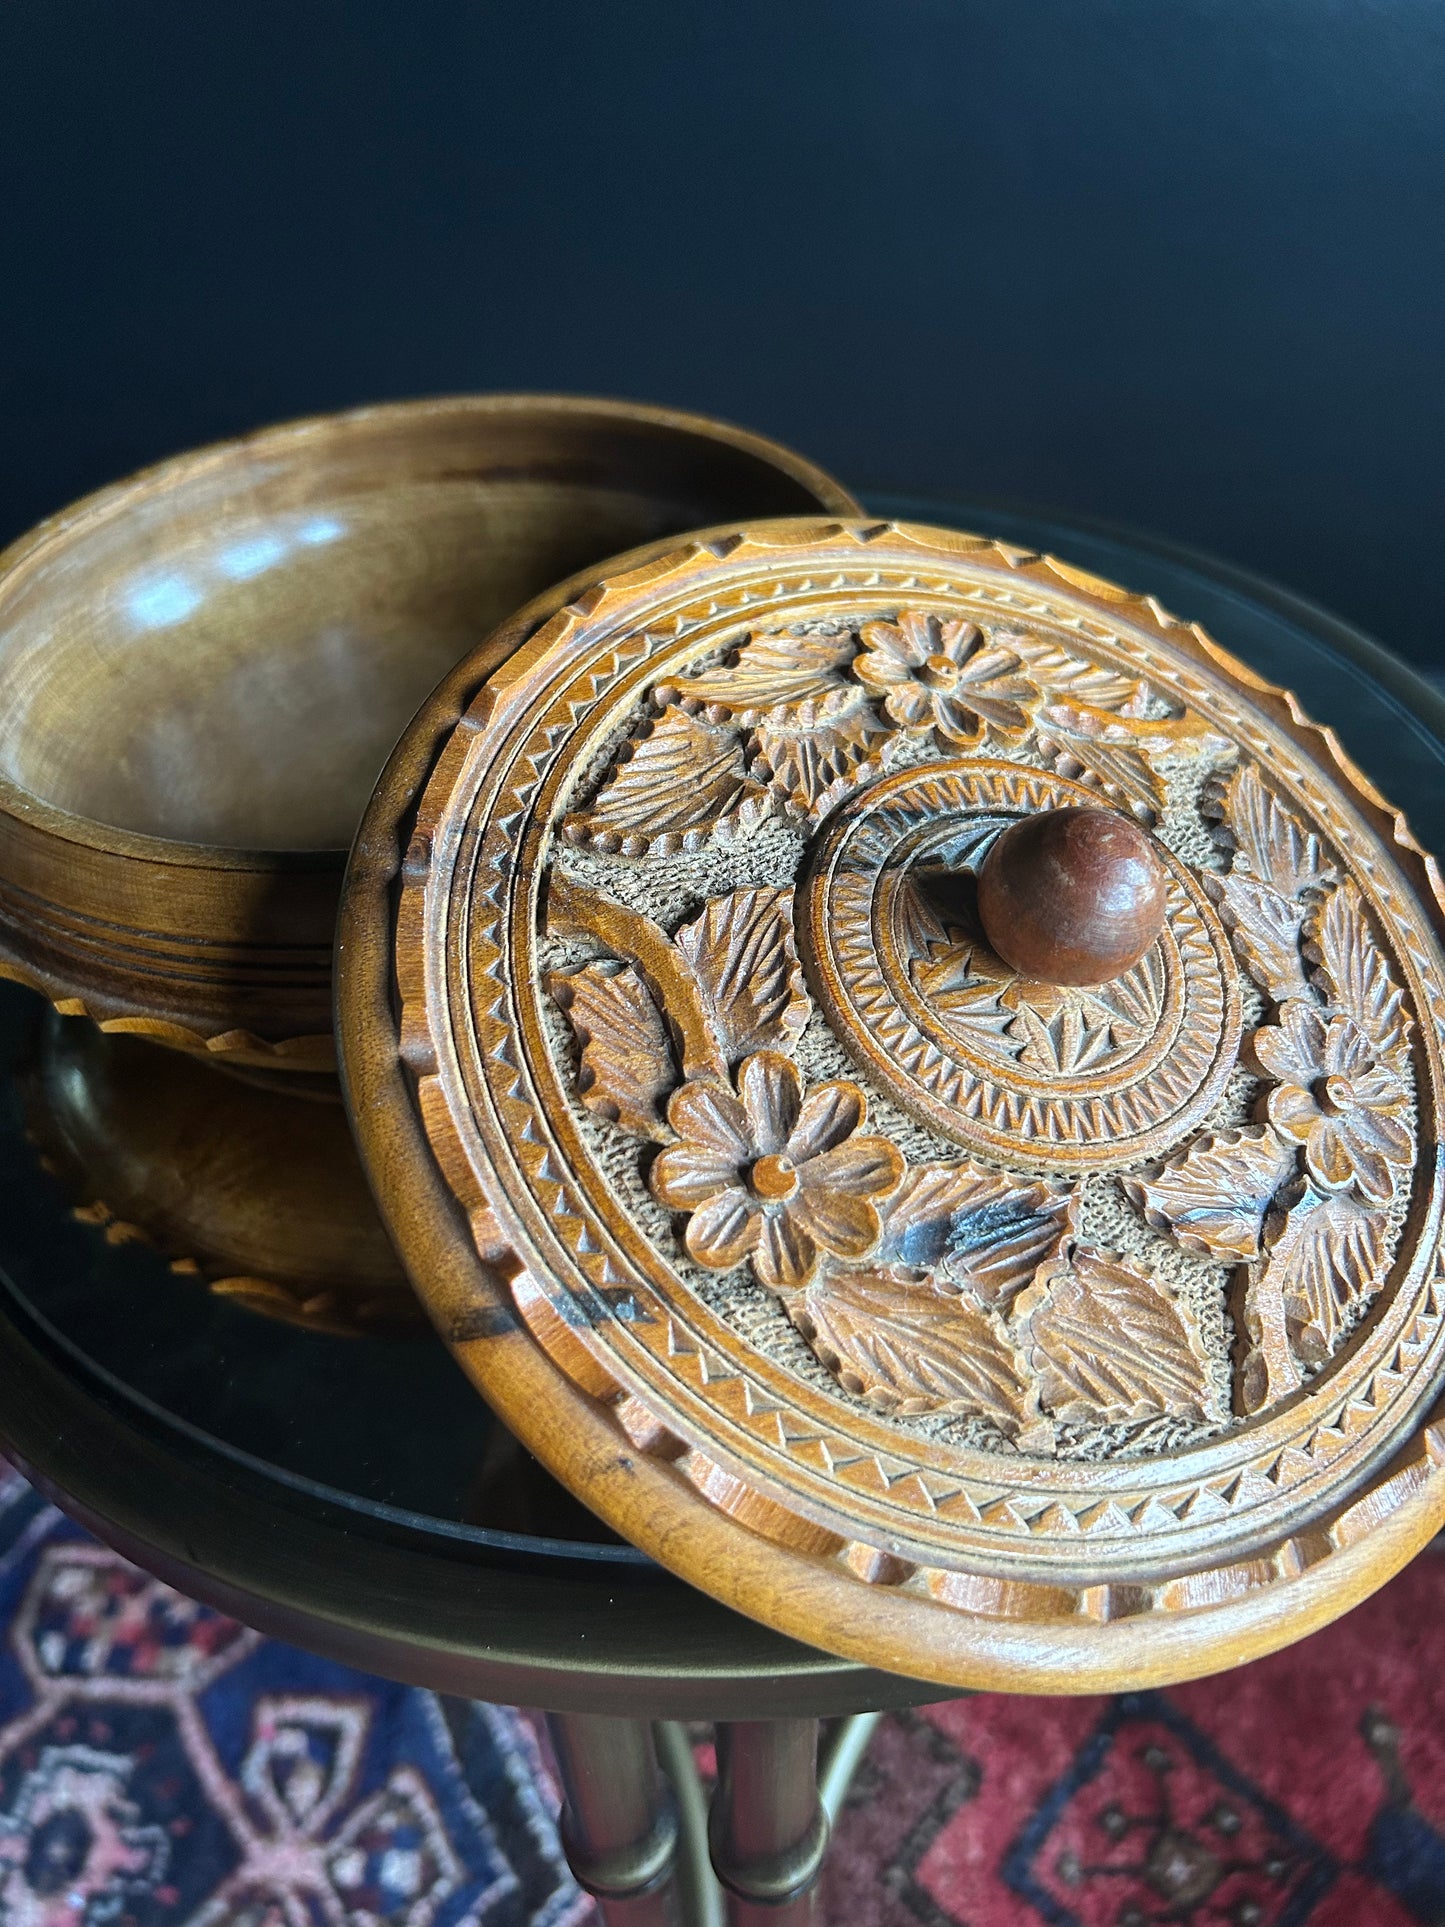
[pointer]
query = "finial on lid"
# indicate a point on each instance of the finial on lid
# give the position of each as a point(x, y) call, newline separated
point(1072, 896)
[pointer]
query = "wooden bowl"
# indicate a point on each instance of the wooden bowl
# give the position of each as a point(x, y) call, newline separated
point(203, 669)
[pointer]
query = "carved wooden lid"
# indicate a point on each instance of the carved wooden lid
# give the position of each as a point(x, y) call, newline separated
point(1003, 1329)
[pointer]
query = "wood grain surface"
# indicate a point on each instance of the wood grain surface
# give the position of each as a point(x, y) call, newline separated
point(979, 1328)
point(202, 670)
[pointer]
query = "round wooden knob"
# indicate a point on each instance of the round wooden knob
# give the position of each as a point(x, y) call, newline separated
point(1072, 896)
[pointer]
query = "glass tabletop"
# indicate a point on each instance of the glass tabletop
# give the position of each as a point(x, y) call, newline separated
point(387, 1426)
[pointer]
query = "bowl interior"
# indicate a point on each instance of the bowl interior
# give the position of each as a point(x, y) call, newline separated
point(225, 652)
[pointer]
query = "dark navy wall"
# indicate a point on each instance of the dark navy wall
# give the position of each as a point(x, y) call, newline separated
point(1181, 264)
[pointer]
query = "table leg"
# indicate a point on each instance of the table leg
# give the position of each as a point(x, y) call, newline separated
point(699, 1896)
point(619, 1822)
point(769, 1831)
point(841, 1757)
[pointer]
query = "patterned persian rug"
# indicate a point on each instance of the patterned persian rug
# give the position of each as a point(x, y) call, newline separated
point(161, 1766)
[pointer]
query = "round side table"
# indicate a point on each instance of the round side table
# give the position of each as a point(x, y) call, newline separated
point(355, 1497)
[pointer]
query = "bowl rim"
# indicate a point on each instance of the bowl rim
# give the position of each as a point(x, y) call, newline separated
point(30, 549)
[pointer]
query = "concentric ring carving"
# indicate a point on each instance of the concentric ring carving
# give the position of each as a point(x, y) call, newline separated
point(1042, 1078)
point(529, 945)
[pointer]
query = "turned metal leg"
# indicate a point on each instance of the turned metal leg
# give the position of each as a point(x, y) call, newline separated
point(769, 1831)
point(619, 1824)
point(841, 1758)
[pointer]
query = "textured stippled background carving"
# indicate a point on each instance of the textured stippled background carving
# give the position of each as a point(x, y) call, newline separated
point(920, 1480)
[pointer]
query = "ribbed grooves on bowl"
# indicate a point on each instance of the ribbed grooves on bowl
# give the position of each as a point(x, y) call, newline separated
point(73, 936)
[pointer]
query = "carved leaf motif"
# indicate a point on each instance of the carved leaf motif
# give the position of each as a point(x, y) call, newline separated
point(806, 761)
point(1060, 1041)
point(742, 954)
point(1214, 1197)
point(1053, 1030)
point(1135, 1000)
point(965, 982)
point(1277, 864)
point(998, 1256)
point(1065, 1030)
point(985, 1232)
point(918, 918)
point(1120, 755)
point(672, 789)
point(965, 847)
point(778, 678)
point(1266, 930)
point(628, 1065)
point(908, 1349)
point(1352, 969)
point(935, 900)
point(1122, 771)
point(1269, 844)
point(1058, 673)
point(1325, 1259)
point(919, 1222)
point(1110, 1342)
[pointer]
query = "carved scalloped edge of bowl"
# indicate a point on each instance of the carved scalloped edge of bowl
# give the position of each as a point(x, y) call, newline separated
point(1411, 1472)
point(377, 1314)
point(341, 1314)
point(344, 1314)
point(314, 1052)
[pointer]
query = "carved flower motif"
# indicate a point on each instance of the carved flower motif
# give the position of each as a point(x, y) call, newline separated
point(1337, 1099)
point(943, 676)
point(769, 1174)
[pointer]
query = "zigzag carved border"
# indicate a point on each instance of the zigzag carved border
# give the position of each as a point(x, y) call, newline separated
point(443, 964)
